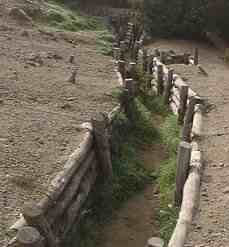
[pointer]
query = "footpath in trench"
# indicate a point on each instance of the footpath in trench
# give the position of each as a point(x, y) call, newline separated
point(211, 224)
point(136, 221)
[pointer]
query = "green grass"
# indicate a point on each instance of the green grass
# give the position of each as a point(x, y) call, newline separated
point(168, 212)
point(61, 17)
point(104, 42)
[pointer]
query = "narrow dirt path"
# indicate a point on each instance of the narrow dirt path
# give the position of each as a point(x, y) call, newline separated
point(211, 226)
point(136, 221)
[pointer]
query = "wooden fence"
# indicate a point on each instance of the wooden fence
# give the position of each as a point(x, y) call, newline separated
point(48, 222)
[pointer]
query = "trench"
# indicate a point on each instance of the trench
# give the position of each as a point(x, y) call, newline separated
point(137, 220)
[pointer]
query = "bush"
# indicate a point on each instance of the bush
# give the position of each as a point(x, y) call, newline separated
point(185, 18)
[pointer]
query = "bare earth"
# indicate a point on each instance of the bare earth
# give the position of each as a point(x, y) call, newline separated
point(40, 110)
point(211, 226)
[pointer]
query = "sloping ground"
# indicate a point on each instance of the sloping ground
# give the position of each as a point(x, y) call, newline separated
point(211, 226)
point(40, 110)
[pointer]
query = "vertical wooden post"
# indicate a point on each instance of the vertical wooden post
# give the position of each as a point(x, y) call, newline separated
point(186, 58)
point(122, 49)
point(160, 80)
point(34, 216)
point(29, 237)
point(132, 67)
point(130, 86)
point(145, 60)
point(186, 131)
point(169, 85)
point(183, 162)
point(102, 146)
point(122, 68)
point(196, 56)
point(116, 53)
point(183, 103)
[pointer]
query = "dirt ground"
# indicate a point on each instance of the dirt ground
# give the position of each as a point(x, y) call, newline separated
point(211, 225)
point(40, 110)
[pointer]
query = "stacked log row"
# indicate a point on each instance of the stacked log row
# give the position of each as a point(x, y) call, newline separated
point(188, 106)
point(47, 223)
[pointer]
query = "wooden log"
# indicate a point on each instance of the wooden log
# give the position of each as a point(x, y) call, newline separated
point(102, 146)
point(186, 131)
point(168, 87)
point(70, 168)
point(189, 203)
point(71, 190)
point(20, 223)
point(29, 237)
point(197, 122)
point(183, 103)
point(122, 49)
point(116, 53)
point(133, 70)
point(176, 101)
point(173, 107)
point(73, 211)
point(160, 80)
point(122, 68)
point(196, 56)
point(35, 217)
point(183, 162)
point(131, 87)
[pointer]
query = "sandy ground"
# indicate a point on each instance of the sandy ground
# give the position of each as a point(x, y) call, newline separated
point(40, 110)
point(211, 225)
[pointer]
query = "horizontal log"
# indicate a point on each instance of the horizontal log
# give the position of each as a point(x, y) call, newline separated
point(21, 222)
point(71, 190)
point(73, 211)
point(70, 168)
point(176, 101)
point(190, 202)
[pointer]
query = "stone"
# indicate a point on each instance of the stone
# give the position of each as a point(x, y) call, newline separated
point(155, 242)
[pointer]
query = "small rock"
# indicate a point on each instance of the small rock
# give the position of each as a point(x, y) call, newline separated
point(155, 242)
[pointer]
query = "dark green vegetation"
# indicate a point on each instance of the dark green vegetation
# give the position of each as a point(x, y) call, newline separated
point(169, 133)
point(168, 213)
point(186, 18)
